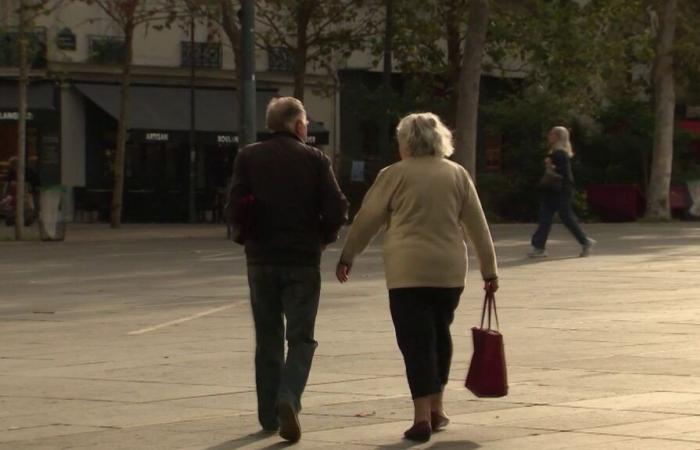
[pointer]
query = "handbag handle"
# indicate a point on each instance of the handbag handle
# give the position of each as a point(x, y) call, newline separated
point(489, 304)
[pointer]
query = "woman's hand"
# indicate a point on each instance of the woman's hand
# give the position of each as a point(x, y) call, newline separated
point(549, 164)
point(491, 286)
point(342, 271)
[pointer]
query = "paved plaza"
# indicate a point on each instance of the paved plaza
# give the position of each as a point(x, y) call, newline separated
point(141, 338)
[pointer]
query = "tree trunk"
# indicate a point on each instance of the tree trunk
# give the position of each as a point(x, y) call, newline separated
point(469, 80)
point(658, 207)
point(21, 123)
point(233, 32)
point(299, 75)
point(303, 15)
point(120, 156)
point(454, 58)
point(384, 136)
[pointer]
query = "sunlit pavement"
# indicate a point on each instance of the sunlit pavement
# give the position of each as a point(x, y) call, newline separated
point(141, 338)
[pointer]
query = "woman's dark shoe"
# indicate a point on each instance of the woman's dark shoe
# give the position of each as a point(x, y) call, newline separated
point(290, 429)
point(419, 432)
point(438, 422)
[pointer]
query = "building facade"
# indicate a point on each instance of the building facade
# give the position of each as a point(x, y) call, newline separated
point(73, 101)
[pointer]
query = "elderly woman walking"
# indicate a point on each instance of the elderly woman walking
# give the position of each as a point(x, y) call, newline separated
point(429, 207)
point(557, 187)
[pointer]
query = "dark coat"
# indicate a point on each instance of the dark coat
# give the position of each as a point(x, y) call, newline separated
point(285, 198)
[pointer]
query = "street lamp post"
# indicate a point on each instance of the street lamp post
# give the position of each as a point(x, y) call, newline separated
point(192, 210)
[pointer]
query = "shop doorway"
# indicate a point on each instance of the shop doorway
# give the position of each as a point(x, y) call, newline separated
point(156, 182)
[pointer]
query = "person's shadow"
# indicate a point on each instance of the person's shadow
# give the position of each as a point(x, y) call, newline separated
point(249, 439)
point(444, 445)
point(454, 445)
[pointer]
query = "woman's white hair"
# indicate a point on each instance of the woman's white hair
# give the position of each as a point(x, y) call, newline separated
point(424, 134)
point(563, 140)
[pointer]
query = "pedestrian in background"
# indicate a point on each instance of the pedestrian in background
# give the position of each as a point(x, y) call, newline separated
point(556, 191)
point(429, 207)
point(285, 197)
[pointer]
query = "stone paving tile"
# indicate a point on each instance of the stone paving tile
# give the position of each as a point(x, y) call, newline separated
point(556, 418)
point(112, 414)
point(650, 401)
point(247, 401)
point(673, 427)
point(675, 383)
point(646, 444)
point(611, 348)
point(400, 408)
point(391, 435)
point(555, 441)
point(106, 390)
point(15, 437)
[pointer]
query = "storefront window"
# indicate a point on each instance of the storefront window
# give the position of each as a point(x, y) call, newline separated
point(219, 165)
point(8, 147)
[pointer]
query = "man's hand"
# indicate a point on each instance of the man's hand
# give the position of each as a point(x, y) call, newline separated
point(342, 271)
point(491, 286)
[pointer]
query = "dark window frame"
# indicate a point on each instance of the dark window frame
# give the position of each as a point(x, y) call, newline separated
point(9, 51)
point(103, 49)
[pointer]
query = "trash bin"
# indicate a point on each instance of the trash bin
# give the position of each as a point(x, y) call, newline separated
point(52, 226)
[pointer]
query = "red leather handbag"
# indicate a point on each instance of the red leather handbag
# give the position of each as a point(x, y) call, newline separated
point(487, 375)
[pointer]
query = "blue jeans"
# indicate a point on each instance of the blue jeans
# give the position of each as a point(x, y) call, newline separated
point(551, 203)
point(278, 293)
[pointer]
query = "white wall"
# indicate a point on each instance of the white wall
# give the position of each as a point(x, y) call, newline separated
point(72, 138)
point(72, 145)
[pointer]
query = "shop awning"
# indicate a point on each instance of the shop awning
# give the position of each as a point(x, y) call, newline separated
point(167, 108)
point(39, 96)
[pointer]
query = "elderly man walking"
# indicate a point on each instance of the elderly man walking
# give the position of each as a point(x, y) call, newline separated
point(286, 202)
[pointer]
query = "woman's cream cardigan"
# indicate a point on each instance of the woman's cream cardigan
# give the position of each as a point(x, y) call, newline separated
point(429, 206)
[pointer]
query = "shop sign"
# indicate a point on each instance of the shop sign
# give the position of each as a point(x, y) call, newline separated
point(157, 137)
point(65, 39)
point(311, 140)
point(692, 112)
point(14, 115)
point(226, 139)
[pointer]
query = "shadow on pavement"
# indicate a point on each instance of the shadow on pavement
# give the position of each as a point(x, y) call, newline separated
point(249, 439)
point(445, 445)
point(527, 260)
point(452, 445)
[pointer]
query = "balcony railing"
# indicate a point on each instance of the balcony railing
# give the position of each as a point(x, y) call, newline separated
point(36, 50)
point(106, 49)
point(206, 55)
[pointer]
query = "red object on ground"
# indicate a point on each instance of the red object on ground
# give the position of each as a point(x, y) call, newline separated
point(616, 202)
point(678, 197)
point(692, 126)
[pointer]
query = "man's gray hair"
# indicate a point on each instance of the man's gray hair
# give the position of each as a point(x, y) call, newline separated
point(283, 112)
point(424, 134)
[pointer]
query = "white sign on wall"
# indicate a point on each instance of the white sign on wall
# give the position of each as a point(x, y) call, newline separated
point(14, 115)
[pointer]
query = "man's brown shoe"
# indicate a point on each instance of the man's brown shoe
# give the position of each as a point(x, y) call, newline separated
point(290, 430)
